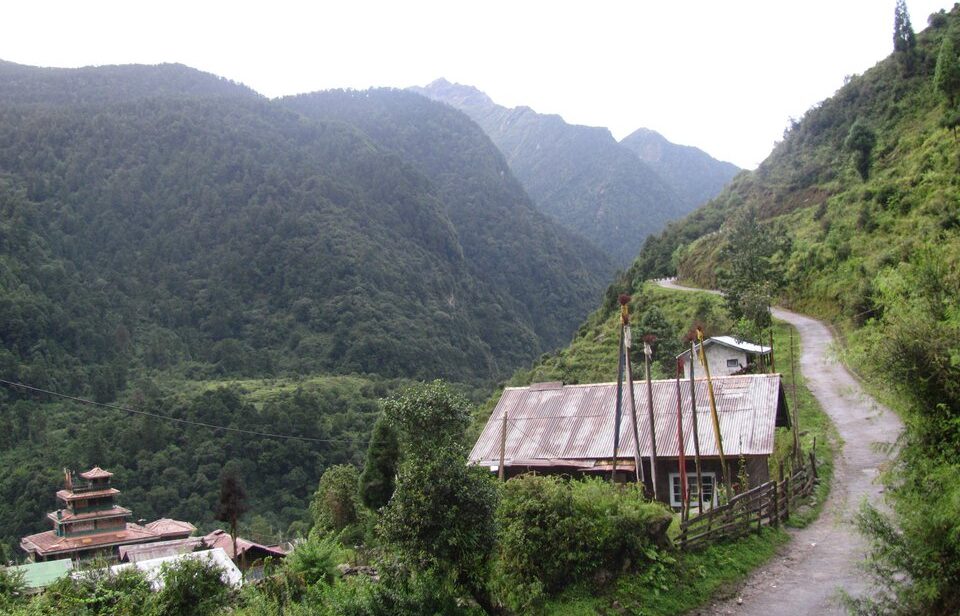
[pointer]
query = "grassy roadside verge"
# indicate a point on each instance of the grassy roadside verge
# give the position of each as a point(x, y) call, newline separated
point(680, 582)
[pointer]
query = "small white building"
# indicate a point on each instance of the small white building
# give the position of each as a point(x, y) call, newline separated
point(153, 567)
point(725, 355)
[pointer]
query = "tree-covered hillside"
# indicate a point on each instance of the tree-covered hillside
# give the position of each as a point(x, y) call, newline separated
point(863, 194)
point(557, 276)
point(227, 235)
point(580, 176)
point(165, 232)
point(696, 176)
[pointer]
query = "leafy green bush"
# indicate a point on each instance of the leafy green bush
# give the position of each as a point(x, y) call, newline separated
point(400, 593)
point(314, 561)
point(97, 591)
point(12, 588)
point(191, 587)
point(555, 532)
point(441, 516)
point(336, 503)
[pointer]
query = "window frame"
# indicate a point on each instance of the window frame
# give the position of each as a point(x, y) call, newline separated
point(674, 478)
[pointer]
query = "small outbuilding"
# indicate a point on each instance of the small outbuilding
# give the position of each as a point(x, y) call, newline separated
point(726, 356)
point(153, 568)
point(553, 428)
point(37, 576)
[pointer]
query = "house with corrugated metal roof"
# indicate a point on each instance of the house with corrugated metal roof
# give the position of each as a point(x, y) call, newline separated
point(554, 428)
point(726, 355)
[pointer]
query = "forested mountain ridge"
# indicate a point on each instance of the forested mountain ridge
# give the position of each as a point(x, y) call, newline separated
point(24, 84)
point(695, 175)
point(578, 175)
point(234, 235)
point(494, 218)
point(855, 217)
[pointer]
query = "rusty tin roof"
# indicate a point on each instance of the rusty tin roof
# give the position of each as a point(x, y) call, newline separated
point(573, 425)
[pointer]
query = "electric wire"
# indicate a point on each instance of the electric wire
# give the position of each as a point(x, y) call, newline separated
point(179, 420)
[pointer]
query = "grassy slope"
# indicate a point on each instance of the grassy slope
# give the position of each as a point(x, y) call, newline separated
point(845, 230)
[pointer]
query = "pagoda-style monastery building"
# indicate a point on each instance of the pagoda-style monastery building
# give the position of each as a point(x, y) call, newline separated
point(90, 523)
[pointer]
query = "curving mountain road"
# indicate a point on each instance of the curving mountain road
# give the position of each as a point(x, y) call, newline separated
point(805, 576)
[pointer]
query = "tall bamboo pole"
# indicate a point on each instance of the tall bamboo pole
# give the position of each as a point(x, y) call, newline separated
point(681, 459)
point(501, 474)
point(773, 363)
point(796, 426)
point(617, 411)
point(647, 353)
point(637, 460)
point(696, 429)
point(725, 472)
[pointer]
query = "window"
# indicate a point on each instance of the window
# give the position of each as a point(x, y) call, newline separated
point(733, 363)
point(709, 494)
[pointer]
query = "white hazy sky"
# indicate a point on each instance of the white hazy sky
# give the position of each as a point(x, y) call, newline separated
point(725, 76)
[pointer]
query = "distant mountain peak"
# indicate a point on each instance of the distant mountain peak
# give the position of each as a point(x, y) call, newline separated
point(466, 95)
point(609, 192)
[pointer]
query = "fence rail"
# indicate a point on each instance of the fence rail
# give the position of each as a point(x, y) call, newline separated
point(765, 505)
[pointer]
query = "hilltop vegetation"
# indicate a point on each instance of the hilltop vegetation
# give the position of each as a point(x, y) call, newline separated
point(864, 191)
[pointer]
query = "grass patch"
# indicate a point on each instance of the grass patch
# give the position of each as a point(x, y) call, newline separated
point(677, 583)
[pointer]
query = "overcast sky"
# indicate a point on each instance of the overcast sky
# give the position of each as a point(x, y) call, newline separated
point(725, 76)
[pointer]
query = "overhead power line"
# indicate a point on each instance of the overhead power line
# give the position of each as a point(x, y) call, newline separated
point(202, 424)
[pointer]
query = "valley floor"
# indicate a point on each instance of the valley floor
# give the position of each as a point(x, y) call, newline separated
point(821, 559)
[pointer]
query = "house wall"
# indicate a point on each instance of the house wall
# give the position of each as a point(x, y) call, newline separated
point(717, 356)
point(757, 472)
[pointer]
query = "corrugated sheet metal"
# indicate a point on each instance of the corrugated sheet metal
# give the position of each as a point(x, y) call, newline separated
point(576, 422)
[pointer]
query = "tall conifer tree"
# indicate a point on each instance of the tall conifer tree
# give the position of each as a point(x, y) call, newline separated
point(904, 39)
point(946, 78)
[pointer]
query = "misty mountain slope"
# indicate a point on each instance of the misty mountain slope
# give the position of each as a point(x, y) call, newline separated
point(541, 271)
point(578, 175)
point(225, 235)
point(696, 176)
point(107, 84)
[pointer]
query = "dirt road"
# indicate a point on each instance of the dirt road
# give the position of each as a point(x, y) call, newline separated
point(822, 558)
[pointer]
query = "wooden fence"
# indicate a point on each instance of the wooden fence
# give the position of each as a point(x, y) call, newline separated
point(765, 505)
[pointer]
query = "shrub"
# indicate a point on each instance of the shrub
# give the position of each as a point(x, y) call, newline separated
point(12, 588)
point(191, 587)
point(400, 593)
point(553, 532)
point(313, 561)
point(336, 505)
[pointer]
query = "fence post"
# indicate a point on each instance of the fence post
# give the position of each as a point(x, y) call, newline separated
point(787, 495)
point(760, 511)
point(776, 506)
point(813, 467)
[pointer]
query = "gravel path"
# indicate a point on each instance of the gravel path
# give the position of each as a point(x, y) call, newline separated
point(805, 576)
